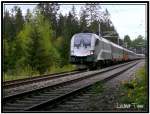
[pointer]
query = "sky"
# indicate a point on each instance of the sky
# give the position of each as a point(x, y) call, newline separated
point(127, 19)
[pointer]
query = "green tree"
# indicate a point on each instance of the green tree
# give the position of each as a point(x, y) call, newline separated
point(19, 20)
point(6, 55)
point(61, 25)
point(127, 41)
point(8, 26)
point(94, 11)
point(94, 27)
point(138, 41)
point(44, 54)
point(49, 11)
point(83, 20)
point(28, 16)
point(9, 55)
point(13, 23)
point(71, 27)
point(139, 44)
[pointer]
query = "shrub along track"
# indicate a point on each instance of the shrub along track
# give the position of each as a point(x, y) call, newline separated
point(39, 99)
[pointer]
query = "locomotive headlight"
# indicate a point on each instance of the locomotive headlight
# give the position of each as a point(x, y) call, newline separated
point(91, 52)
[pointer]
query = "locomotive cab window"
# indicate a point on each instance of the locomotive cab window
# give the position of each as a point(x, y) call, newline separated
point(84, 40)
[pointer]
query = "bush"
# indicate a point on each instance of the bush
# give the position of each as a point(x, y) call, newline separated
point(136, 90)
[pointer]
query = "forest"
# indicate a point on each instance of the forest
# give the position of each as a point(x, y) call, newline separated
point(39, 41)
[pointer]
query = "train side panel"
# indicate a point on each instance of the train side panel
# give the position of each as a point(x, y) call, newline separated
point(117, 53)
point(104, 48)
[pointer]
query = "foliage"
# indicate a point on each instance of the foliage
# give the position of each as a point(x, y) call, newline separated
point(127, 41)
point(139, 41)
point(97, 88)
point(28, 72)
point(93, 11)
point(49, 11)
point(136, 90)
point(138, 45)
point(83, 20)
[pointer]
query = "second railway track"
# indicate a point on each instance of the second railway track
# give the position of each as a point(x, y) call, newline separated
point(39, 98)
point(20, 82)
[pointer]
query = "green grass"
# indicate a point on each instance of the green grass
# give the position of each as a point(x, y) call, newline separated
point(135, 91)
point(97, 88)
point(28, 72)
point(63, 69)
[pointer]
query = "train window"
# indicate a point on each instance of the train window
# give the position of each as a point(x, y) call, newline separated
point(86, 42)
point(82, 39)
point(77, 42)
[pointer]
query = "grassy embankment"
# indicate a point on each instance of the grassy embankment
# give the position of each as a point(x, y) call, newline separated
point(135, 91)
point(27, 73)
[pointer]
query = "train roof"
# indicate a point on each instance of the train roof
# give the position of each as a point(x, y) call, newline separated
point(116, 45)
point(141, 54)
point(129, 50)
point(105, 40)
point(120, 47)
point(84, 33)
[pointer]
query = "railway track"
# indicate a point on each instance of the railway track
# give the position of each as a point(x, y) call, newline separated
point(20, 82)
point(38, 99)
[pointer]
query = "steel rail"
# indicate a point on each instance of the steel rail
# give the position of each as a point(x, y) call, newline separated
point(20, 82)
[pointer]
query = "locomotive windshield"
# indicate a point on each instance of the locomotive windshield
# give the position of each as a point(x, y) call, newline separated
point(82, 39)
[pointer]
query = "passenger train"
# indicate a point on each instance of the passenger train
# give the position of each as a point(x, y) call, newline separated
point(93, 51)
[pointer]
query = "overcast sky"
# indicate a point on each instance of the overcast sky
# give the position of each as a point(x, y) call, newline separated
point(127, 19)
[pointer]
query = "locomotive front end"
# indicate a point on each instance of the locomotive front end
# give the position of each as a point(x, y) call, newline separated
point(82, 49)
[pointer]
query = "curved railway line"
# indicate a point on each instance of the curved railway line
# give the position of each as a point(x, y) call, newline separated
point(39, 99)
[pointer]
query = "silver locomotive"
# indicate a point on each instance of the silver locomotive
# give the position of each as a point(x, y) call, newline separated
point(92, 51)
